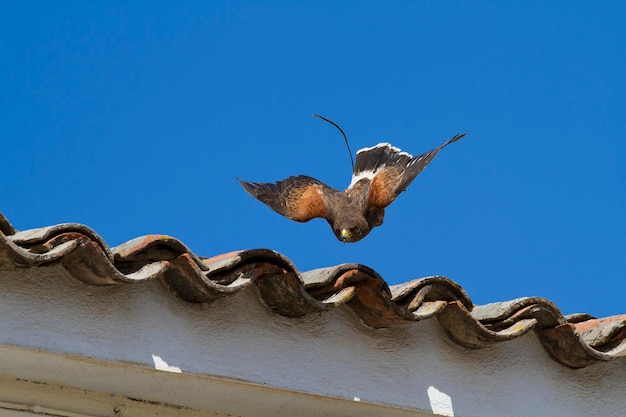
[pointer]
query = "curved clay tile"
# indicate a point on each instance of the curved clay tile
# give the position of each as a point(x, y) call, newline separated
point(575, 341)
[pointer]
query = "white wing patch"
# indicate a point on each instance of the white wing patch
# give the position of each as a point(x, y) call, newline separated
point(369, 174)
point(358, 177)
point(380, 145)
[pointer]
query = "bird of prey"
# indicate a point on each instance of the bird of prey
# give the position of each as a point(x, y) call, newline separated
point(379, 175)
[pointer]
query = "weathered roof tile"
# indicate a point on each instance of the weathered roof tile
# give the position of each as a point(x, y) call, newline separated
point(576, 340)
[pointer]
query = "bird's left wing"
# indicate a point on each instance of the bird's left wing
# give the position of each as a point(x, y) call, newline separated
point(298, 198)
point(391, 180)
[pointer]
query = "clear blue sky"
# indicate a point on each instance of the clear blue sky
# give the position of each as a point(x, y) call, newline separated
point(137, 118)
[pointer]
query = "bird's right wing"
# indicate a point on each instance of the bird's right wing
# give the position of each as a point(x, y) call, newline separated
point(298, 198)
point(398, 172)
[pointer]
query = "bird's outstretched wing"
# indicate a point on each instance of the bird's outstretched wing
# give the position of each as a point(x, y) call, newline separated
point(298, 198)
point(390, 170)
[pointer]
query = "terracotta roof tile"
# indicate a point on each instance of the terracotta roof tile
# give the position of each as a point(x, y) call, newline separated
point(575, 341)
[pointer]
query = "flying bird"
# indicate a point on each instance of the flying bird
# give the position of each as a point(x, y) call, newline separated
point(379, 175)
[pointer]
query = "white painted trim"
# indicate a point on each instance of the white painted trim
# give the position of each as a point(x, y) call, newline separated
point(78, 387)
point(57, 330)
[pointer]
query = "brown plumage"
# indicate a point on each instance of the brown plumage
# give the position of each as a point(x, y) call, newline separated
point(380, 174)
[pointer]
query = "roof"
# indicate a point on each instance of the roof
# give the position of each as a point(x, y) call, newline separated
point(576, 340)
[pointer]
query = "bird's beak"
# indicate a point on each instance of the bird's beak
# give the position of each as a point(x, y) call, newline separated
point(345, 235)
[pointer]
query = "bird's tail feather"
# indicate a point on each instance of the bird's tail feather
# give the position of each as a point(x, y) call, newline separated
point(371, 160)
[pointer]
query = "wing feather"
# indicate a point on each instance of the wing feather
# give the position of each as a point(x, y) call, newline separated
point(298, 198)
point(392, 179)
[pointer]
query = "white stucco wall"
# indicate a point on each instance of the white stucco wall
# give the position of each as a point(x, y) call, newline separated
point(332, 354)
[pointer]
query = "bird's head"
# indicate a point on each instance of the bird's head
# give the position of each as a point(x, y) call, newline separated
point(351, 231)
